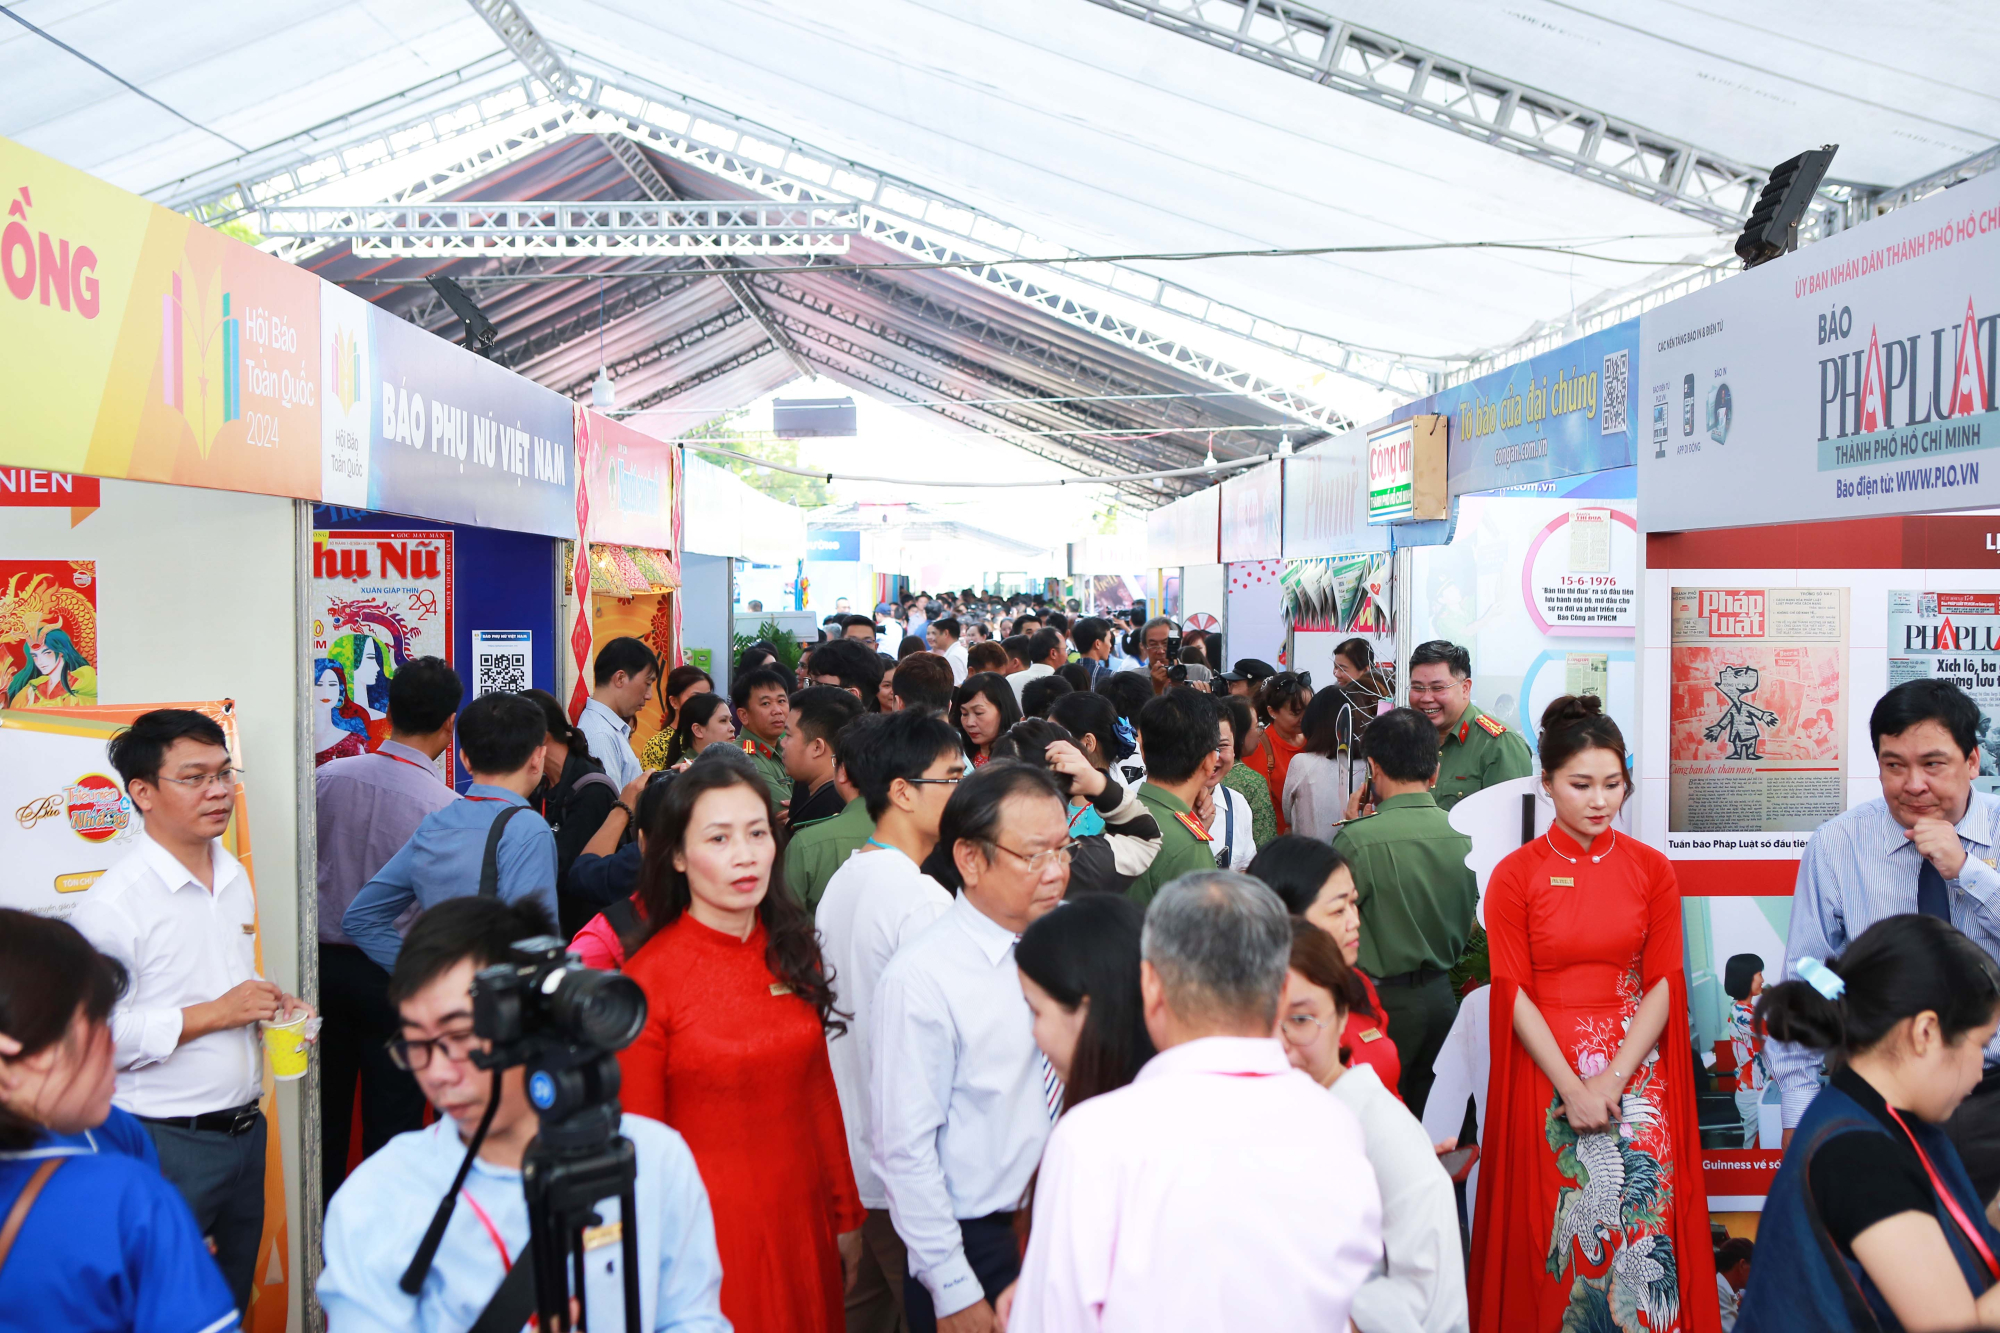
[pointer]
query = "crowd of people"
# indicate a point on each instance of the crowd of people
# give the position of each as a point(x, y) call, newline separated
point(1010, 968)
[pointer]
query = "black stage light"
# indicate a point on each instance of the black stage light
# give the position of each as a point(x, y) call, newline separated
point(479, 330)
point(1773, 228)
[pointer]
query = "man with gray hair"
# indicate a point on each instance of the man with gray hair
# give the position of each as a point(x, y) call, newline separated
point(1222, 1188)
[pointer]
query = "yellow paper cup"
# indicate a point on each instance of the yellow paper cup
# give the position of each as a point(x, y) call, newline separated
point(285, 1047)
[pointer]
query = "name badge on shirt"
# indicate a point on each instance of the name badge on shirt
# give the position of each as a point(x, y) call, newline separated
point(780, 988)
point(1562, 881)
point(611, 1233)
point(249, 927)
point(1371, 1034)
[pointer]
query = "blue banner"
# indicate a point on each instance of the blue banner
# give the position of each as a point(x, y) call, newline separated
point(457, 438)
point(1559, 414)
point(833, 544)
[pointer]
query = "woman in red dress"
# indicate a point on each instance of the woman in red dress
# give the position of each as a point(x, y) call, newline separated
point(1316, 883)
point(1591, 1212)
point(733, 1054)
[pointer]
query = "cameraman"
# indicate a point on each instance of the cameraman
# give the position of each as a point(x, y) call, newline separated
point(376, 1221)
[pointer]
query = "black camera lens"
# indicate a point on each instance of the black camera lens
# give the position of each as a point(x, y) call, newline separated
point(603, 1009)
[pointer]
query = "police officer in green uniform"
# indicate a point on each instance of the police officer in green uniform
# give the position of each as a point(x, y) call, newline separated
point(1414, 892)
point(1180, 737)
point(1478, 749)
point(818, 849)
point(762, 699)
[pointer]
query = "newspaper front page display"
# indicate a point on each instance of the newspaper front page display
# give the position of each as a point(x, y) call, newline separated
point(1953, 636)
point(1759, 717)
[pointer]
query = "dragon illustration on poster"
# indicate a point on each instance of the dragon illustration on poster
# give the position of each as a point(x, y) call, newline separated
point(48, 634)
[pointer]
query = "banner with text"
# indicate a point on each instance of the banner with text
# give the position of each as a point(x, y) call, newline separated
point(1186, 532)
point(140, 344)
point(1559, 414)
point(1953, 636)
point(631, 487)
point(1757, 718)
point(1326, 501)
point(1850, 379)
point(1253, 514)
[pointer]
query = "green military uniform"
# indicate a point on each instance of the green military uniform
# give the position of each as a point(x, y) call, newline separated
point(1184, 844)
point(1477, 753)
point(1416, 898)
point(822, 847)
point(764, 758)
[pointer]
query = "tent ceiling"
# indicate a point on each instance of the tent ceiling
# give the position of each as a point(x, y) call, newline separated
point(1088, 128)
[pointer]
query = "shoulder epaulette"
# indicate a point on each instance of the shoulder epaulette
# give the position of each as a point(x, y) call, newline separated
point(1489, 726)
point(1192, 825)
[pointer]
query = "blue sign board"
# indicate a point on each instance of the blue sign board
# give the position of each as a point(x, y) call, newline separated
point(833, 544)
point(1559, 414)
point(458, 438)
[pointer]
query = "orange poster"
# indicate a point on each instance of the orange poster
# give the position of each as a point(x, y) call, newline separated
point(143, 345)
point(1758, 713)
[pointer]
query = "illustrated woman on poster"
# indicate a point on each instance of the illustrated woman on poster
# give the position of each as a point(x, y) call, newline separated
point(55, 675)
point(340, 727)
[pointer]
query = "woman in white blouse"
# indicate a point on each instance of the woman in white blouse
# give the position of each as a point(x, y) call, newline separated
point(1314, 795)
point(1419, 1285)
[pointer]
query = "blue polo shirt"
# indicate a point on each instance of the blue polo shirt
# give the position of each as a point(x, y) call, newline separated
point(442, 860)
point(109, 1246)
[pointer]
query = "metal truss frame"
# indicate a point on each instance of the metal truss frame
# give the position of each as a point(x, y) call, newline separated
point(498, 126)
point(603, 230)
point(681, 340)
point(706, 375)
point(1454, 95)
point(633, 293)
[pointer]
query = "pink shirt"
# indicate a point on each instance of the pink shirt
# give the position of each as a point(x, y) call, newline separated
point(1221, 1189)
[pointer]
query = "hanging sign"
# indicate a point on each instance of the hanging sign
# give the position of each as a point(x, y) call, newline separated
point(1406, 471)
point(1853, 378)
point(631, 479)
point(1559, 414)
point(1326, 501)
point(1253, 514)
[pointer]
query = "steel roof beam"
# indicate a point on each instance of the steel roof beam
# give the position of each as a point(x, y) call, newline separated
point(599, 229)
point(624, 298)
point(706, 375)
point(681, 340)
point(1451, 94)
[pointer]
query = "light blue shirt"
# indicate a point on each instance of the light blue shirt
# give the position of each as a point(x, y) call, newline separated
point(380, 1214)
point(610, 738)
point(1859, 868)
point(442, 860)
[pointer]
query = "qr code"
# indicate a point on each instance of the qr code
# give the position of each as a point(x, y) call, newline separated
point(501, 673)
point(1611, 416)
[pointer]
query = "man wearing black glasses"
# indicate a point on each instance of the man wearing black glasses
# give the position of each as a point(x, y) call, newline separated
point(960, 1098)
point(179, 912)
point(375, 1221)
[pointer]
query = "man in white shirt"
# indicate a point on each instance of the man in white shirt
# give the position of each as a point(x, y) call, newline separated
point(906, 767)
point(1171, 1203)
point(1047, 651)
point(376, 1221)
point(942, 634)
point(960, 1097)
point(180, 913)
point(623, 676)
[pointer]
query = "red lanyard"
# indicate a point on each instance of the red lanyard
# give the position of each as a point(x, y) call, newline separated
point(411, 762)
point(492, 1232)
point(501, 799)
point(1950, 1202)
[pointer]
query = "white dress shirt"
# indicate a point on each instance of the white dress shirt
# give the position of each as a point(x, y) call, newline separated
point(1460, 1071)
point(1419, 1286)
point(1726, 1297)
point(874, 904)
point(1177, 1203)
point(956, 1093)
point(610, 738)
point(182, 945)
point(1313, 800)
point(954, 656)
point(1021, 680)
point(1232, 829)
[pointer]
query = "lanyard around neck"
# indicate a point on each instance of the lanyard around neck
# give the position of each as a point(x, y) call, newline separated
point(1950, 1201)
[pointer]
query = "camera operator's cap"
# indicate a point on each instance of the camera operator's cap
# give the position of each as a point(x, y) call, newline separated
point(1231, 677)
point(1253, 669)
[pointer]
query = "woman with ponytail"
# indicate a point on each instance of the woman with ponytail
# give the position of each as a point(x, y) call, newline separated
point(1872, 1221)
point(1591, 1213)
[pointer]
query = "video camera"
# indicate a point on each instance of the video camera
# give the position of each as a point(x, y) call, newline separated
point(565, 1023)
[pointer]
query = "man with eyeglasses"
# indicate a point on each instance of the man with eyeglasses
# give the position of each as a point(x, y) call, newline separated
point(960, 1097)
point(179, 912)
point(375, 1222)
point(1478, 749)
point(906, 765)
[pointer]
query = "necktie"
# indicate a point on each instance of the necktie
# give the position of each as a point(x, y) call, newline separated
point(1052, 1087)
point(1932, 900)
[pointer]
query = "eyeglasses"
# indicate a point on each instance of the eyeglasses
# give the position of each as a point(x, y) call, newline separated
point(414, 1053)
point(923, 782)
point(1042, 860)
point(1302, 1029)
point(225, 777)
point(1419, 689)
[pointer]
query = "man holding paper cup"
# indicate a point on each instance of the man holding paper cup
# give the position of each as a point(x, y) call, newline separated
point(178, 911)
